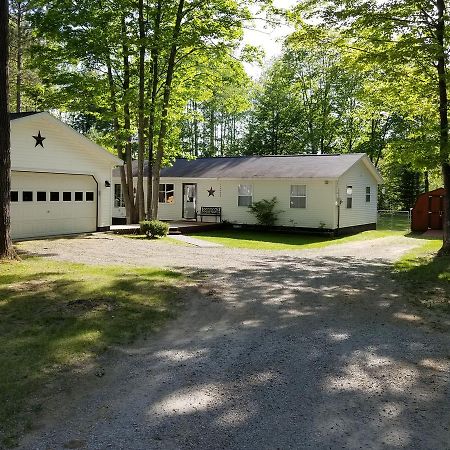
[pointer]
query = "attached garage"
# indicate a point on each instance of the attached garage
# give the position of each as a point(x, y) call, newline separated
point(60, 184)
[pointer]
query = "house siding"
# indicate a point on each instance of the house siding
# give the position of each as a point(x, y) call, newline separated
point(321, 203)
point(362, 212)
point(64, 152)
point(319, 211)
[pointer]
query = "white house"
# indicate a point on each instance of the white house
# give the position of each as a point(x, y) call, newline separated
point(330, 192)
point(60, 180)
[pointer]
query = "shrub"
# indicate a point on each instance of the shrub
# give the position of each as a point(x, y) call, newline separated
point(265, 213)
point(154, 228)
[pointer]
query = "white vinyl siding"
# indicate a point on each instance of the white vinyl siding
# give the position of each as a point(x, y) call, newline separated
point(65, 152)
point(245, 195)
point(361, 212)
point(298, 196)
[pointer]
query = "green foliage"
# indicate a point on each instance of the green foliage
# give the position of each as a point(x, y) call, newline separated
point(265, 212)
point(154, 228)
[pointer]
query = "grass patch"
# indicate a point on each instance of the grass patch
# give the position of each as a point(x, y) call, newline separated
point(236, 238)
point(388, 225)
point(425, 276)
point(55, 316)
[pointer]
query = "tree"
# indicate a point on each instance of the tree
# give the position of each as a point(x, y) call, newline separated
point(6, 248)
point(404, 38)
point(98, 56)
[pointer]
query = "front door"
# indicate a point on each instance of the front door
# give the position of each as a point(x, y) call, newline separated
point(189, 201)
point(435, 212)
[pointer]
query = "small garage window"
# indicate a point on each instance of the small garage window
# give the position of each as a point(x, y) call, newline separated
point(14, 196)
point(89, 196)
point(41, 196)
point(368, 193)
point(54, 196)
point(27, 196)
point(78, 196)
point(67, 196)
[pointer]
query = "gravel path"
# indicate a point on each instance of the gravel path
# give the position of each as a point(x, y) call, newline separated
point(293, 349)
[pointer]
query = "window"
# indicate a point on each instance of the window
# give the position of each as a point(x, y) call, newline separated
point(245, 195)
point(41, 196)
point(89, 196)
point(349, 197)
point(298, 196)
point(67, 196)
point(54, 196)
point(368, 194)
point(78, 196)
point(14, 196)
point(118, 196)
point(166, 193)
point(27, 196)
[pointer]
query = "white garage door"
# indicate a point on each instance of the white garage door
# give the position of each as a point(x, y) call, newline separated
point(45, 204)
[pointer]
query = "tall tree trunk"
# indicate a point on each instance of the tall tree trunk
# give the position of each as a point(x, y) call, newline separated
point(132, 216)
point(165, 109)
point(119, 146)
point(19, 58)
point(151, 122)
point(6, 248)
point(426, 181)
point(141, 114)
point(443, 116)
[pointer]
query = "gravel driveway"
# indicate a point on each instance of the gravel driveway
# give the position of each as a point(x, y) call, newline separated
point(289, 349)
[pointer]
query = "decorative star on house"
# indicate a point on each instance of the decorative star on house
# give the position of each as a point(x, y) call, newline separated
point(39, 140)
point(211, 192)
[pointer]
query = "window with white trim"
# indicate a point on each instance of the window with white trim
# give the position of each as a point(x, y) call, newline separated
point(368, 194)
point(166, 193)
point(245, 195)
point(14, 196)
point(298, 196)
point(349, 197)
point(119, 202)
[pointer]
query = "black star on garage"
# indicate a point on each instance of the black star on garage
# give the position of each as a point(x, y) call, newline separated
point(39, 140)
point(211, 192)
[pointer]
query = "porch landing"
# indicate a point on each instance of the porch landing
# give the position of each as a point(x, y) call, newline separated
point(175, 227)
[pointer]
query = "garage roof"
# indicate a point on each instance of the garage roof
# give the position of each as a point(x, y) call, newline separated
point(289, 166)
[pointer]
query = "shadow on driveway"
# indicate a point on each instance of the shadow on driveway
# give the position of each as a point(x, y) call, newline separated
point(292, 353)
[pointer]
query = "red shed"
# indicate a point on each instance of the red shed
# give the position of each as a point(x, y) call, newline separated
point(428, 212)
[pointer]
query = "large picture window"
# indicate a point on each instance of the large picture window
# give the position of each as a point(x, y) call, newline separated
point(245, 195)
point(119, 202)
point(166, 193)
point(298, 196)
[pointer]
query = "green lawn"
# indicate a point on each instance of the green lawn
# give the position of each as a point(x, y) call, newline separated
point(55, 316)
point(425, 276)
point(392, 225)
point(236, 238)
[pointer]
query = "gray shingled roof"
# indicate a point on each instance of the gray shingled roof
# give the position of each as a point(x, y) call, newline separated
point(14, 116)
point(290, 166)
